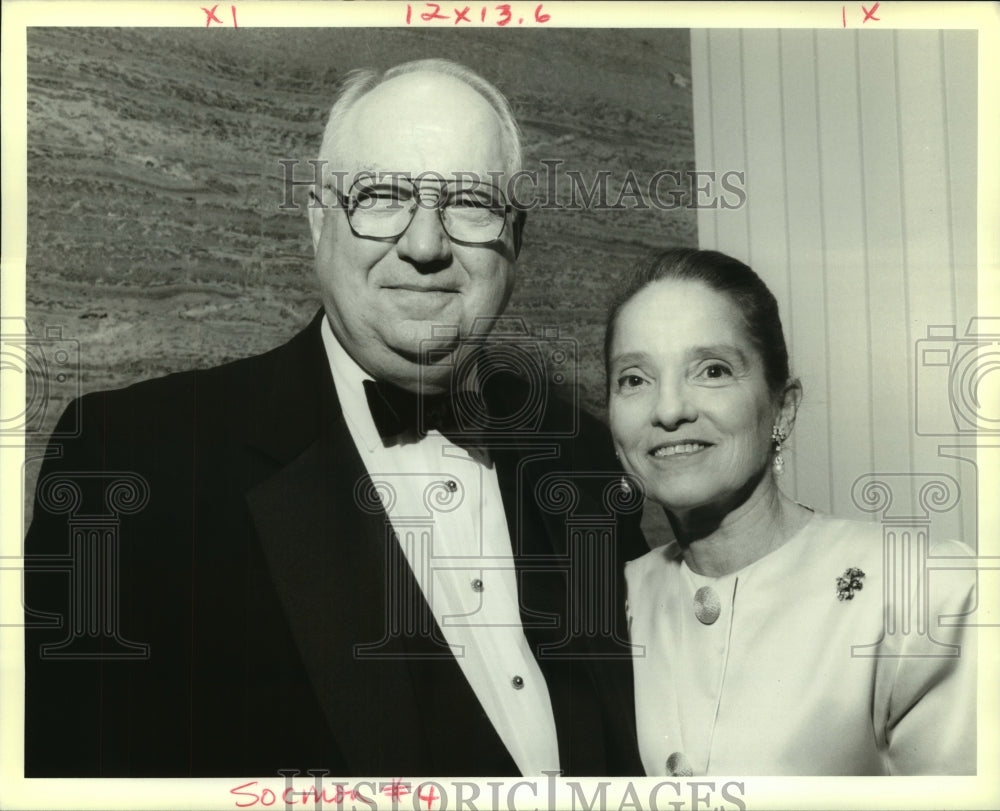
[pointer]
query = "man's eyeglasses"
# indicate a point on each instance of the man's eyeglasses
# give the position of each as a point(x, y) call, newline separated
point(382, 207)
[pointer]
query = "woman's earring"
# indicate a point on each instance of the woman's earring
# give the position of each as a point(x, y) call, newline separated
point(777, 437)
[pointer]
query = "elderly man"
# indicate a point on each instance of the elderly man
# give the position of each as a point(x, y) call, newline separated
point(340, 554)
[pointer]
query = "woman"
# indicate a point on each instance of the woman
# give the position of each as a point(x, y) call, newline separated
point(762, 637)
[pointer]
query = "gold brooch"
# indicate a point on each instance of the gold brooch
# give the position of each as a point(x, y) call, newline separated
point(848, 583)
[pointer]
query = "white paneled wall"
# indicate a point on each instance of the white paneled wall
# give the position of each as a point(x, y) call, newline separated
point(859, 149)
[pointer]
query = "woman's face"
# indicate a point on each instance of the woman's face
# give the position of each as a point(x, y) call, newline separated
point(690, 409)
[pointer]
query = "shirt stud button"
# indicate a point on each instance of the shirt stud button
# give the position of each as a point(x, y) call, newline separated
point(707, 605)
point(451, 484)
point(679, 766)
point(518, 682)
point(477, 585)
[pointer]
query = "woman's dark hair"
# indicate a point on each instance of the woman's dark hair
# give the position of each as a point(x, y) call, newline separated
point(725, 275)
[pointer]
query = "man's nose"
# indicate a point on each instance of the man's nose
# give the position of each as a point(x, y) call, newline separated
point(674, 405)
point(424, 243)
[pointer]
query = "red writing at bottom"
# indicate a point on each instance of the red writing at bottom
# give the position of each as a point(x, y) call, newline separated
point(337, 793)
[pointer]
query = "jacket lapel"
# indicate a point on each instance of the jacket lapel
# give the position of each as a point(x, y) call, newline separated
point(396, 704)
point(328, 562)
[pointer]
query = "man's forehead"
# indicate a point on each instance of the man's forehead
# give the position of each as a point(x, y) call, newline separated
point(424, 121)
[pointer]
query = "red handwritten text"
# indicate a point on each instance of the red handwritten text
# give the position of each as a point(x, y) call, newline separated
point(429, 797)
point(211, 18)
point(311, 795)
point(869, 14)
point(500, 15)
point(395, 789)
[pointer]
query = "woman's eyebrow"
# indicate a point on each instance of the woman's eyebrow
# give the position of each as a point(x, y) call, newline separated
point(723, 350)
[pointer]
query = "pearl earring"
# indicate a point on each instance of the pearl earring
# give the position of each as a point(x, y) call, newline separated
point(777, 437)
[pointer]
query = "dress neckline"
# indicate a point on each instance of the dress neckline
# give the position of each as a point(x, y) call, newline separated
point(772, 557)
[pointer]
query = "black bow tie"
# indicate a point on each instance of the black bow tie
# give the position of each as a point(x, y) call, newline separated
point(402, 415)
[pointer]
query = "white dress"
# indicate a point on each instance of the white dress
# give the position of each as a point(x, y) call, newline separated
point(796, 675)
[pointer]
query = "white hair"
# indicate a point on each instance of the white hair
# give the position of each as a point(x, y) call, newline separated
point(360, 82)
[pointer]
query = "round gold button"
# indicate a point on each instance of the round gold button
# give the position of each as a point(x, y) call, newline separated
point(477, 585)
point(518, 682)
point(707, 605)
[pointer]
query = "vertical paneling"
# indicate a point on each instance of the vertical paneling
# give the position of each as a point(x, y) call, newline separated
point(704, 123)
point(729, 138)
point(924, 169)
point(848, 377)
point(927, 223)
point(806, 240)
point(885, 308)
point(763, 116)
point(960, 103)
point(860, 154)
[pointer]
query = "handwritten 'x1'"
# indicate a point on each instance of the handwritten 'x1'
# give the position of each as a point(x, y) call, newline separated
point(870, 15)
point(210, 15)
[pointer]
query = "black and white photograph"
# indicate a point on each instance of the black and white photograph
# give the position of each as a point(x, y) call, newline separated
point(542, 405)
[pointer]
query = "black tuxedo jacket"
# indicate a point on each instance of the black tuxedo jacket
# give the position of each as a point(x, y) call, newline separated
point(203, 565)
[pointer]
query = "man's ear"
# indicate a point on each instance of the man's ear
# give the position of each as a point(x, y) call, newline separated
point(520, 218)
point(316, 211)
point(791, 397)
